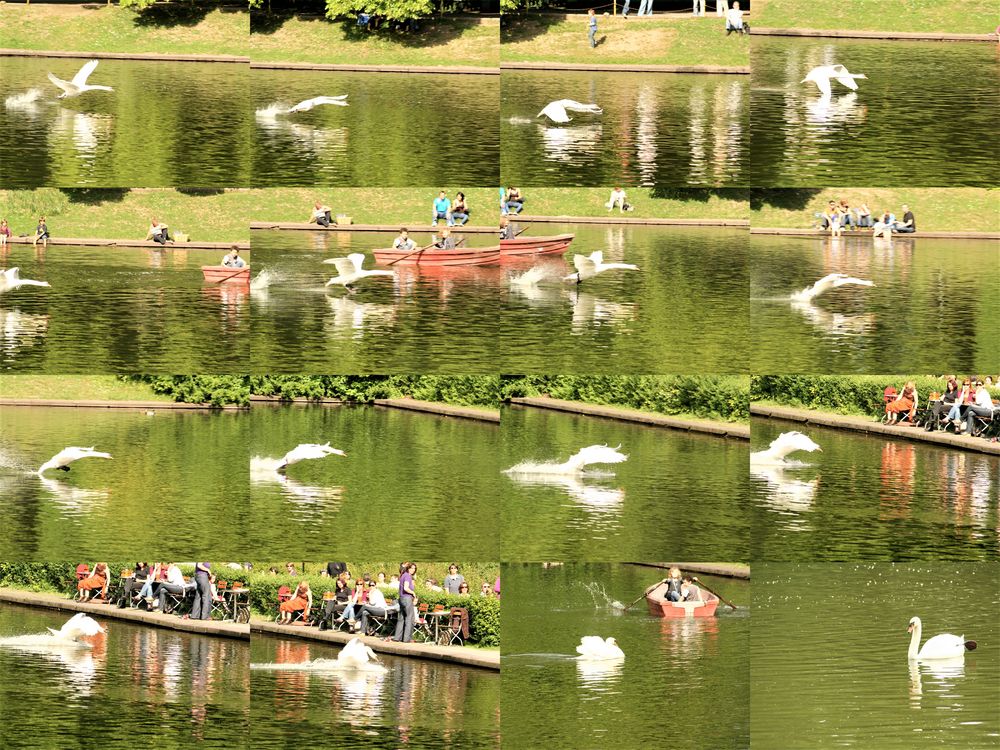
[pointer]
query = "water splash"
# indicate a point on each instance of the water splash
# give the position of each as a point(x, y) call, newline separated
point(26, 99)
point(599, 595)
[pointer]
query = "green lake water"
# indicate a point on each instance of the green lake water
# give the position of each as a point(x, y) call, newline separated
point(933, 308)
point(419, 704)
point(873, 498)
point(398, 130)
point(924, 116)
point(176, 484)
point(828, 657)
point(411, 483)
point(682, 684)
point(663, 129)
point(121, 310)
point(165, 124)
point(138, 686)
point(679, 495)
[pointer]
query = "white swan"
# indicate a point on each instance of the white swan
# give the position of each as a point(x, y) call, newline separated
point(595, 647)
point(830, 281)
point(781, 446)
point(76, 627)
point(592, 454)
point(79, 83)
point(943, 646)
point(307, 451)
point(556, 111)
point(588, 266)
point(11, 280)
point(356, 654)
point(350, 271)
point(821, 77)
point(66, 456)
point(316, 102)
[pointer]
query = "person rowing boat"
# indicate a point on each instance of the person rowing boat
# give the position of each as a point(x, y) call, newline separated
point(232, 259)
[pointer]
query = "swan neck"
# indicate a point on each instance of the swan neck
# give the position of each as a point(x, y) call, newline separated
point(914, 642)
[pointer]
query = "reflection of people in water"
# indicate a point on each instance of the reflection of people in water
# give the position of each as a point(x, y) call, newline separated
point(898, 466)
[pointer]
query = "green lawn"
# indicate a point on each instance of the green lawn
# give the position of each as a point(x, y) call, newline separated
point(440, 42)
point(76, 387)
point(101, 28)
point(666, 41)
point(682, 204)
point(940, 16)
point(212, 216)
point(935, 209)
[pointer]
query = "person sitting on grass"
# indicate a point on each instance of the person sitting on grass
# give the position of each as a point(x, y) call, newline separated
point(908, 225)
point(233, 259)
point(403, 242)
point(982, 406)
point(846, 217)
point(96, 581)
point(375, 606)
point(4, 232)
point(734, 19)
point(41, 233)
point(158, 232)
point(618, 198)
point(445, 241)
point(864, 216)
point(321, 215)
point(512, 201)
point(459, 209)
point(904, 404)
point(442, 210)
point(301, 601)
point(826, 217)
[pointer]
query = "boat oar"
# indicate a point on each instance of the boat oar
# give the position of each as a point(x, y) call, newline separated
point(227, 278)
point(642, 596)
point(519, 231)
point(724, 601)
point(419, 250)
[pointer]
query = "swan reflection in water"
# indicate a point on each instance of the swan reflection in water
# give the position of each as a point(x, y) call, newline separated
point(309, 139)
point(85, 131)
point(590, 310)
point(785, 494)
point(354, 318)
point(310, 500)
point(941, 674)
point(74, 500)
point(599, 678)
point(841, 110)
point(567, 144)
point(835, 324)
point(20, 331)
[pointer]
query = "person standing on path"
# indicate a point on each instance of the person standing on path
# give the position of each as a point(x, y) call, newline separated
point(592, 21)
point(407, 606)
point(201, 609)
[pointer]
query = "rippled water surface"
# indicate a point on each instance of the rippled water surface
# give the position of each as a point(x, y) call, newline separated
point(425, 705)
point(932, 308)
point(829, 664)
point(176, 483)
point(138, 686)
point(698, 667)
point(924, 116)
point(410, 481)
point(640, 509)
point(871, 498)
point(165, 124)
point(398, 130)
point(664, 129)
point(121, 310)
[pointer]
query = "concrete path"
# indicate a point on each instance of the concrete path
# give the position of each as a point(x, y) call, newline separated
point(466, 70)
point(721, 429)
point(443, 410)
point(137, 616)
point(92, 242)
point(867, 425)
point(882, 36)
point(470, 657)
point(420, 228)
point(788, 231)
point(607, 67)
point(125, 56)
point(160, 405)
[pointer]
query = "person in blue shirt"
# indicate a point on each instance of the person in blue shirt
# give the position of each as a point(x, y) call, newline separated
point(593, 27)
point(442, 210)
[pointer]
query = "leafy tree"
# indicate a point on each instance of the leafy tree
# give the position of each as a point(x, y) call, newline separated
point(392, 10)
point(137, 4)
point(511, 6)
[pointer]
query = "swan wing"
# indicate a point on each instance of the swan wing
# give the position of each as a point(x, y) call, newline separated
point(573, 106)
point(943, 646)
point(597, 257)
point(851, 280)
point(66, 86)
point(13, 274)
point(590, 645)
point(597, 454)
point(79, 625)
point(823, 84)
point(344, 266)
point(358, 259)
point(80, 79)
point(555, 112)
point(847, 80)
point(584, 265)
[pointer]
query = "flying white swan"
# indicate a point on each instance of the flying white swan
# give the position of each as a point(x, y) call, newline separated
point(588, 266)
point(11, 280)
point(350, 271)
point(79, 83)
point(830, 281)
point(302, 452)
point(943, 646)
point(556, 111)
point(781, 446)
point(276, 109)
point(66, 456)
point(595, 647)
point(76, 627)
point(821, 77)
point(592, 454)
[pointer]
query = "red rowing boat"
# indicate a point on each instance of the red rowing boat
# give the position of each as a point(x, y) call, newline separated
point(535, 245)
point(226, 275)
point(660, 606)
point(462, 256)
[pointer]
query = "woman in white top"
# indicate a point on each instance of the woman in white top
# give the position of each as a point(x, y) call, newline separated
point(981, 407)
point(376, 606)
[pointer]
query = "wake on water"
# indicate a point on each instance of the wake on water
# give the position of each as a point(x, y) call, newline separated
point(321, 665)
point(23, 100)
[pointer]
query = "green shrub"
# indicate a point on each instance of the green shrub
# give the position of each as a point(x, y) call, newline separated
point(724, 397)
point(461, 390)
point(215, 390)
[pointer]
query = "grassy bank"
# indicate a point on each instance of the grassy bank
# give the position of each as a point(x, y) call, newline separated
point(714, 397)
point(666, 41)
point(851, 395)
point(935, 209)
point(650, 203)
point(206, 216)
point(77, 387)
point(939, 16)
point(439, 42)
point(177, 29)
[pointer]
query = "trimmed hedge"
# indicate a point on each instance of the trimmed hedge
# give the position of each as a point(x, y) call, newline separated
point(461, 390)
point(845, 394)
point(720, 397)
point(215, 390)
